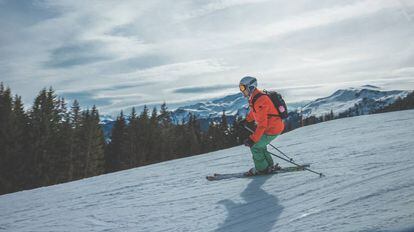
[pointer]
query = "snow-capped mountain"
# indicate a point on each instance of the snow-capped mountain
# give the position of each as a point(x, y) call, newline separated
point(369, 186)
point(107, 122)
point(361, 100)
point(104, 119)
point(364, 100)
point(367, 97)
point(234, 105)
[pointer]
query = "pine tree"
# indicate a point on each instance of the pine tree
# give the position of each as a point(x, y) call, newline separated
point(224, 131)
point(75, 115)
point(144, 134)
point(117, 147)
point(134, 139)
point(44, 119)
point(75, 141)
point(180, 139)
point(63, 144)
point(54, 168)
point(6, 143)
point(165, 116)
point(192, 137)
point(21, 152)
point(163, 139)
point(94, 141)
point(215, 137)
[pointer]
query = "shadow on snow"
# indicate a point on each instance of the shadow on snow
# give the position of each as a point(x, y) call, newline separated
point(259, 211)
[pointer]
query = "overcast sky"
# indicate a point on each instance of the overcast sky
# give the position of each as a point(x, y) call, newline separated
point(119, 54)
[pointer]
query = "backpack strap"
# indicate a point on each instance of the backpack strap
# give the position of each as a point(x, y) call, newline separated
point(274, 115)
point(254, 99)
point(257, 97)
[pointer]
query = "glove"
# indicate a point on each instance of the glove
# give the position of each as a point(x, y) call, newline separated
point(243, 122)
point(248, 142)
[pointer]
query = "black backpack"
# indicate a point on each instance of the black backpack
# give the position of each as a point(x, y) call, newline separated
point(277, 101)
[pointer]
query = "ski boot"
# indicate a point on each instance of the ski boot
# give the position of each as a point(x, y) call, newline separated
point(268, 170)
point(251, 172)
point(276, 167)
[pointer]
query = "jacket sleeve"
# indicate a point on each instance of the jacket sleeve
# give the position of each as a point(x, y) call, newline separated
point(261, 119)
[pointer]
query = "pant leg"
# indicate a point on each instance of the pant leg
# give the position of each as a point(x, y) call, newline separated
point(269, 139)
point(261, 156)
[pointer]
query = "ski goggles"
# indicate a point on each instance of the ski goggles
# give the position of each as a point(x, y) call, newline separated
point(242, 87)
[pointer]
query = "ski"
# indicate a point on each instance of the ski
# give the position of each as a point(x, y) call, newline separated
point(218, 176)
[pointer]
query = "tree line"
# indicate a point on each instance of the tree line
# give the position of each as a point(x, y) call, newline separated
point(49, 143)
point(399, 104)
point(53, 143)
point(152, 137)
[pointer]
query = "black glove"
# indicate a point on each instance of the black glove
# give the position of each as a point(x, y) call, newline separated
point(243, 122)
point(248, 142)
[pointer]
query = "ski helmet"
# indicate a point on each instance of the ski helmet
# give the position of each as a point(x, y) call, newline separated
point(248, 83)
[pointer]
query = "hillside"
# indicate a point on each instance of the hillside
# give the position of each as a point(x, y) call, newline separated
point(368, 162)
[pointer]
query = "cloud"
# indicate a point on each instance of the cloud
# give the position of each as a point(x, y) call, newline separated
point(202, 89)
point(122, 54)
point(27, 12)
point(133, 64)
point(86, 99)
point(82, 53)
point(193, 68)
point(123, 87)
point(213, 6)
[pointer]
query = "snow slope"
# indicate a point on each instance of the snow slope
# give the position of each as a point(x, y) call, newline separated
point(369, 186)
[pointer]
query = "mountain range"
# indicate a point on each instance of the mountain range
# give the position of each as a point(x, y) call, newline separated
point(369, 98)
point(364, 99)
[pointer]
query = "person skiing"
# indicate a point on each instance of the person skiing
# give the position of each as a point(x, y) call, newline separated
point(269, 125)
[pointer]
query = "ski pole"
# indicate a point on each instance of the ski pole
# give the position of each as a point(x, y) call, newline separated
point(301, 166)
point(280, 157)
point(291, 159)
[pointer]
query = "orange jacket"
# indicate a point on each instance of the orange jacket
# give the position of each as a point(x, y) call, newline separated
point(266, 124)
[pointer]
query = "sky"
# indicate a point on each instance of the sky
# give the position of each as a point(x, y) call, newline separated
point(123, 54)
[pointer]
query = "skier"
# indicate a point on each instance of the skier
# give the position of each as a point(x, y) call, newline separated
point(269, 126)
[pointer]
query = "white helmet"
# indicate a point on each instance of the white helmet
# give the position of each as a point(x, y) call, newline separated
point(248, 83)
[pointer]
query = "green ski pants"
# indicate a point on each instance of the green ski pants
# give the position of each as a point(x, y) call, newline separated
point(261, 157)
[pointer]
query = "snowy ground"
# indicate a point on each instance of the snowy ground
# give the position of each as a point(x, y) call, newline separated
point(369, 186)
